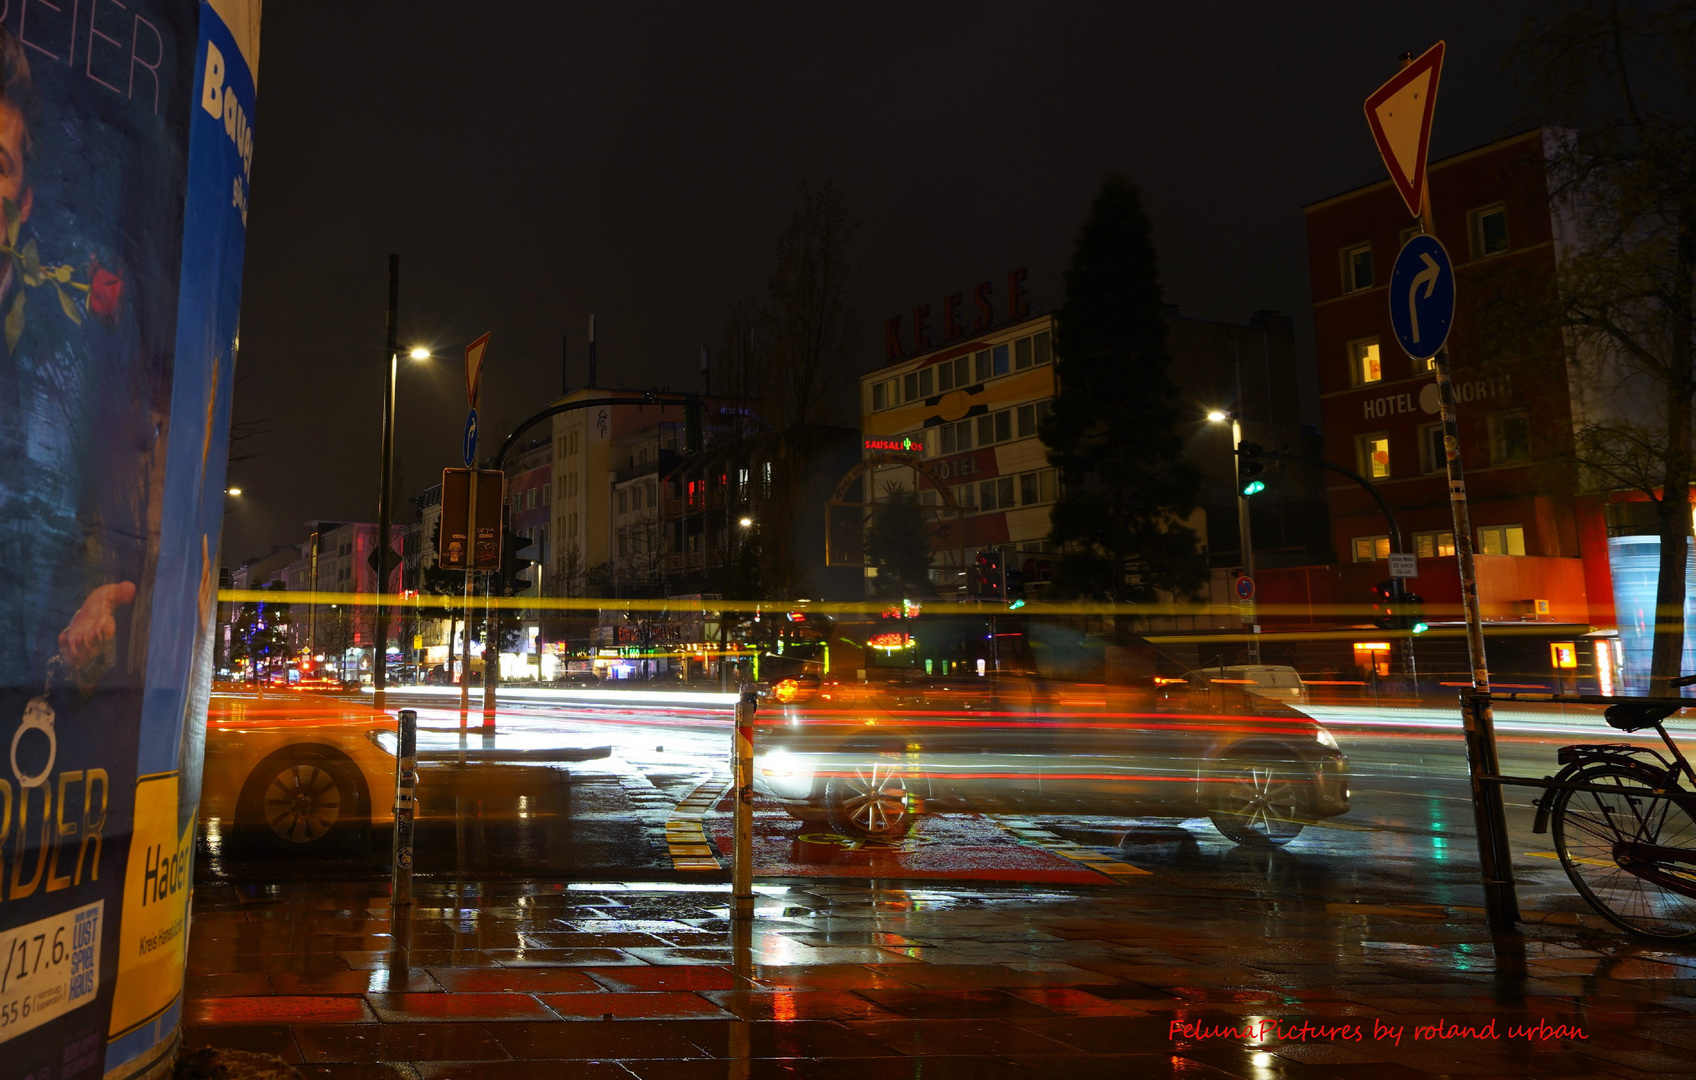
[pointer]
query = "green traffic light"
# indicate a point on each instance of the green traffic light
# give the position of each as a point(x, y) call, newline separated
point(1420, 627)
point(1015, 605)
point(1253, 487)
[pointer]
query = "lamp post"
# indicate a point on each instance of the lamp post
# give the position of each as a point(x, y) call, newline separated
point(380, 670)
point(1245, 532)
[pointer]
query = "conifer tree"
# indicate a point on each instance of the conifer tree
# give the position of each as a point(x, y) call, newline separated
point(1126, 485)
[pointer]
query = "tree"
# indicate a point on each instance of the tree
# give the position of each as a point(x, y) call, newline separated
point(898, 545)
point(1617, 80)
point(809, 325)
point(261, 631)
point(1113, 434)
point(334, 634)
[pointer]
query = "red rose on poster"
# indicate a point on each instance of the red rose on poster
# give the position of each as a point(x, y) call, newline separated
point(105, 293)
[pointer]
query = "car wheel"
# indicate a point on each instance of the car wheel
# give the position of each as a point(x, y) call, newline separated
point(303, 799)
point(1260, 803)
point(870, 801)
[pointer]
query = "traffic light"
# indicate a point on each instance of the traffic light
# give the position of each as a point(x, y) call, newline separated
point(1384, 605)
point(1249, 468)
point(987, 580)
point(515, 566)
point(692, 423)
point(1413, 613)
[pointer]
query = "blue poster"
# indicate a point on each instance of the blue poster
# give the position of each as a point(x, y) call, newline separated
point(125, 149)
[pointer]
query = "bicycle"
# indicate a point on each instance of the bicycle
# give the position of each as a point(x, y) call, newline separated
point(1625, 828)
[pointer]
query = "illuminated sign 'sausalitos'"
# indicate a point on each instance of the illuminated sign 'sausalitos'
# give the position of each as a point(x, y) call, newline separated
point(910, 446)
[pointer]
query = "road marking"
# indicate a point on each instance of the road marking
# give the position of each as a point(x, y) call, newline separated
point(684, 838)
point(1027, 831)
point(1556, 856)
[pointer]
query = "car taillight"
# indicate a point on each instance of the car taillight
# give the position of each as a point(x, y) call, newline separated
point(788, 691)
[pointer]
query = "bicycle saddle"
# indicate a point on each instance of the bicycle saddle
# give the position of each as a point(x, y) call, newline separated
point(1635, 716)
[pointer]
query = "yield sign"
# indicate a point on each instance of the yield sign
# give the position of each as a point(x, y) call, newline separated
point(474, 369)
point(1399, 113)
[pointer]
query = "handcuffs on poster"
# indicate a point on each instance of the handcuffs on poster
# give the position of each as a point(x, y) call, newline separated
point(38, 716)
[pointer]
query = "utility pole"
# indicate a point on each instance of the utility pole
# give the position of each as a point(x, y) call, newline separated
point(1245, 528)
point(380, 665)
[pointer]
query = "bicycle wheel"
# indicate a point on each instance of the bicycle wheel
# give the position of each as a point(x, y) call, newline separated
point(1595, 831)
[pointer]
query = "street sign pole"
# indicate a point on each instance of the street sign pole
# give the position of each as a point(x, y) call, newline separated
point(470, 576)
point(1399, 114)
point(474, 354)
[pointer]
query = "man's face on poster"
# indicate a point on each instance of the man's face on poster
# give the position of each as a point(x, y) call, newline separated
point(13, 134)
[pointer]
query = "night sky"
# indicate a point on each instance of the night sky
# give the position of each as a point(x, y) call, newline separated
point(532, 163)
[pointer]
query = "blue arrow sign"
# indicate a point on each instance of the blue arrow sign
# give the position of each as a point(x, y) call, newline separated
point(471, 439)
point(1422, 296)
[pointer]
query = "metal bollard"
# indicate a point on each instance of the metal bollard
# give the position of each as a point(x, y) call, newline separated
point(406, 783)
point(742, 844)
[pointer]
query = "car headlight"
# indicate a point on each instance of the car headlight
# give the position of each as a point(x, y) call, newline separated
point(1325, 738)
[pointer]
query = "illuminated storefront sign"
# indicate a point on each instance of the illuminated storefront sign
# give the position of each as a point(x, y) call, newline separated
point(910, 446)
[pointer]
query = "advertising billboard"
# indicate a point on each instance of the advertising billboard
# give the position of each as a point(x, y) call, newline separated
point(126, 147)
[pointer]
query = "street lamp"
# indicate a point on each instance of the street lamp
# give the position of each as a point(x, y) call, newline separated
point(746, 522)
point(232, 491)
point(1245, 533)
point(379, 674)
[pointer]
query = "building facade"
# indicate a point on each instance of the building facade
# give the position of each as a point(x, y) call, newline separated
point(970, 412)
point(1543, 545)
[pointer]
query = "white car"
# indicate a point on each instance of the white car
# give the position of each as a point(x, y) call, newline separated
point(1267, 682)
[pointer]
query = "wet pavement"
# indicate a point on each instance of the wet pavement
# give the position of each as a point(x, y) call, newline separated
point(509, 979)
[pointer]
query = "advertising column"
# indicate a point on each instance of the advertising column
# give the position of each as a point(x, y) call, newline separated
point(126, 145)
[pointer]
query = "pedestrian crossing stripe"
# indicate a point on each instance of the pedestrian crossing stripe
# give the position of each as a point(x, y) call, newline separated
point(1026, 831)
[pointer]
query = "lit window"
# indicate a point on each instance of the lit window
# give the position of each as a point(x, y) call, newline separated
point(1489, 230)
point(1510, 437)
point(1501, 540)
point(1357, 268)
point(1433, 545)
point(1374, 451)
point(1370, 548)
point(1365, 362)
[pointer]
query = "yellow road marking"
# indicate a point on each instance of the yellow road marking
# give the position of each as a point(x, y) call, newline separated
point(1556, 856)
point(684, 838)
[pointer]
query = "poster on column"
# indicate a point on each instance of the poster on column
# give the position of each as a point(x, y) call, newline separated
point(126, 140)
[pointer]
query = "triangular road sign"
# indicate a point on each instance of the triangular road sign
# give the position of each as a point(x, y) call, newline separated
point(474, 369)
point(1399, 113)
